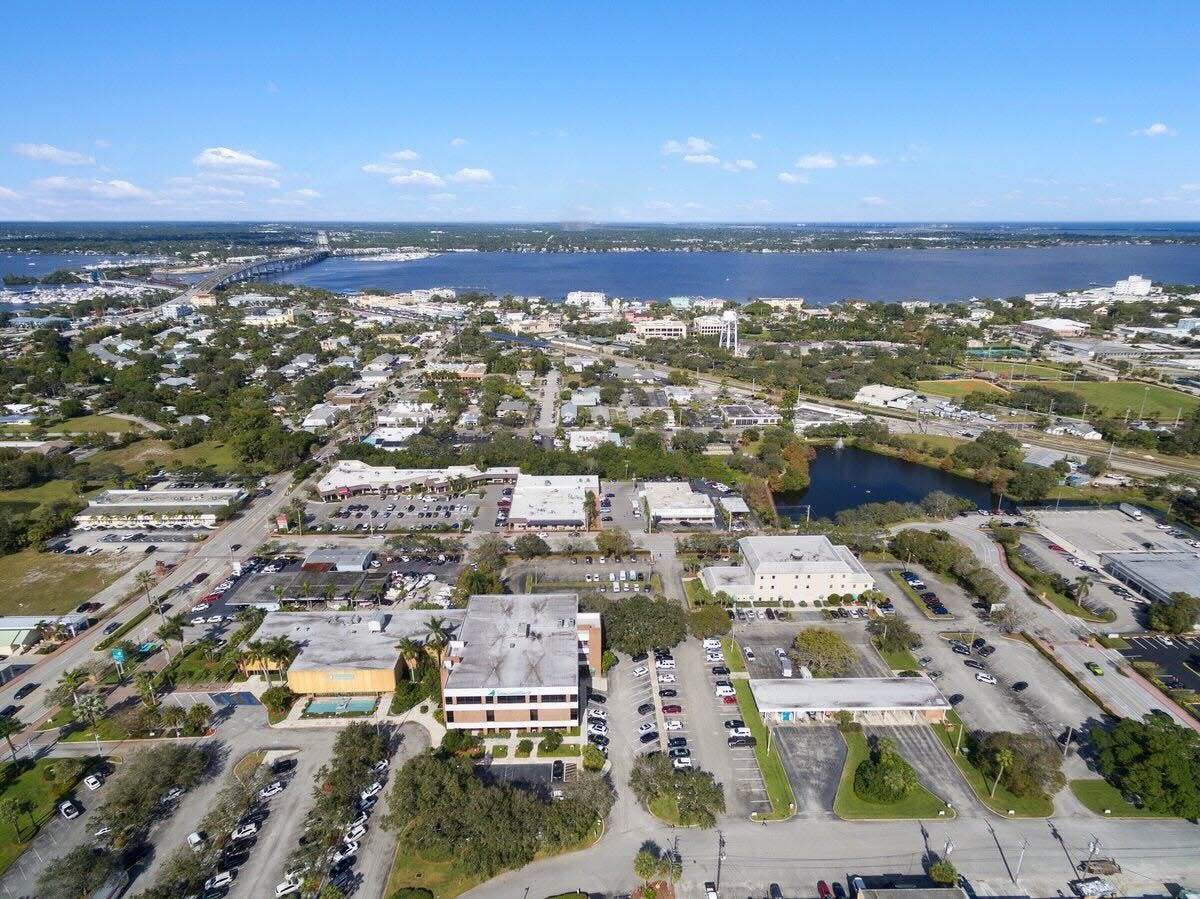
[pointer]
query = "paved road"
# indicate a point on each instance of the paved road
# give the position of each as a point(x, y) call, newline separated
point(813, 756)
point(936, 771)
point(547, 414)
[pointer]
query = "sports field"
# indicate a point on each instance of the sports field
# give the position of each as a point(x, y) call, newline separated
point(1019, 370)
point(1114, 398)
point(958, 387)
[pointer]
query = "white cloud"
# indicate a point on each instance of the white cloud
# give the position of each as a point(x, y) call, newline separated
point(417, 178)
point(1099, 120)
point(740, 165)
point(754, 135)
point(307, 193)
point(244, 178)
point(404, 155)
point(792, 178)
point(48, 153)
point(473, 176)
point(1189, 187)
point(1158, 129)
point(701, 159)
point(116, 189)
point(443, 197)
point(458, 142)
point(873, 201)
point(693, 146)
point(859, 159)
point(385, 168)
point(225, 158)
point(816, 161)
point(6, 194)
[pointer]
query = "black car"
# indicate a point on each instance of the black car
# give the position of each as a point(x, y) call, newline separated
point(978, 643)
point(734, 723)
point(987, 651)
point(149, 549)
point(9, 711)
point(680, 753)
point(668, 693)
point(975, 663)
point(1020, 686)
point(645, 708)
point(954, 698)
point(640, 657)
point(720, 670)
point(676, 742)
point(556, 770)
point(651, 737)
point(598, 698)
point(113, 626)
point(598, 740)
point(236, 546)
point(741, 741)
point(282, 765)
point(25, 691)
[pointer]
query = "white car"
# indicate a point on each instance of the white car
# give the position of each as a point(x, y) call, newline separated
point(641, 671)
point(93, 781)
point(356, 834)
point(712, 643)
point(381, 765)
point(373, 790)
point(218, 881)
point(270, 790)
point(646, 728)
point(199, 621)
point(170, 795)
point(348, 849)
point(598, 729)
point(214, 619)
point(665, 664)
point(287, 888)
point(594, 712)
point(714, 658)
point(68, 809)
point(748, 653)
point(673, 724)
point(684, 762)
point(738, 732)
point(244, 832)
point(985, 678)
point(667, 678)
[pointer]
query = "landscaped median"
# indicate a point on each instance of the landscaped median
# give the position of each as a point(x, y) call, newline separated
point(1102, 798)
point(919, 803)
point(1002, 802)
point(779, 791)
point(912, 594)
point(733, 655)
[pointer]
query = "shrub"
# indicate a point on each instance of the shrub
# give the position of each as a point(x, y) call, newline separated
point(593, 758)
point(552, 741)
point(524, 747)
point(943, 872)
point(607, 661)
point(885, 776)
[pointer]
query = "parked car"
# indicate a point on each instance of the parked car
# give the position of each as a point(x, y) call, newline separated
point(1020, 686)
point(672, 709)
point(171, 795)
point(823, 890)
point(272, 789)
point(24, 691)
point(985, 679)
point(69, 809)
point(244, 832)
point(668, 693)
point(649, 737)
point(93, 781)
point(975, 663)
point(645, 708)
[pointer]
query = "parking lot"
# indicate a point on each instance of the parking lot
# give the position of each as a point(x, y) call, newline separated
point(1178, 657)
point(1092, 531)
point(813, 756)
point(550, 574)
point(620, 506)
point(402, 512)
point(1036, 550)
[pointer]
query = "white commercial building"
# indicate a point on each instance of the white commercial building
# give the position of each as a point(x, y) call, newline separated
point(350, 477)
point(583, 440)
point(407, 412)
point(193, 508)
point(749, 415)
point(1052, 327)
point(884, 397)
point(674, 502)
point(269, 318)
point(552, 501)
point(778, 569)
point(660, 329)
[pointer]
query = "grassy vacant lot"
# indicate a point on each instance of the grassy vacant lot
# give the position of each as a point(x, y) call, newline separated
point(24, 782)
point(1022, 806)
point(897, 661)
point(34, 583)
point(91, 424)
point(1020, 370)
point(1115, 397)
point(1099, 795)
point(849, 805)
point(42, 495)
point(779, 791)
point(152, 452)
point(958, 388)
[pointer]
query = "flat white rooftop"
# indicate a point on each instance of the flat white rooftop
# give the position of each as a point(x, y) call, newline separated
point(855, 694)
point(552, 499)
point(344, 641)
point(676, 500)
point(797, 555)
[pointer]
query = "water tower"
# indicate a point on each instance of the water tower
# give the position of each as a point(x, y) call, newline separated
point(729, 331)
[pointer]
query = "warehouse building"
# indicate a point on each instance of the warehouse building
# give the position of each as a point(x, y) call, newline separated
point(515, 663)
point(159, 506)
point(1156, 575)
point(552, 501)
point(674, 502)
point(338, 560)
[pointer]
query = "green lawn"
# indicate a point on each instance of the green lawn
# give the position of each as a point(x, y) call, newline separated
point(849, 805)
point(1019, 370)
point(566, 750)
point(665, 809)
point(897, 661)
point(1099, 795)
point(779, 791)
point(41, 495)
point(25, 782)
point(34, 583)
point(958, 387)
point(733, 655)
point(152, 452)
point(1022, 806)
point(91, 424)
point(1115, 397)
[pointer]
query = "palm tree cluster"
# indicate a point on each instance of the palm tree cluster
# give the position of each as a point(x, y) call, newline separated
point(436, 641)
point(270, 655)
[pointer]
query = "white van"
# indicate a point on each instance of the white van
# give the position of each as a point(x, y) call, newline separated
point(196, 841)
point(725, 691)
point(712, 643)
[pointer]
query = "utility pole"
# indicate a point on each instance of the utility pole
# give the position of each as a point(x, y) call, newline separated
point(720, 855)
point(1093, 847)
point(947, 849)
point(1067, 741)
point(1020, 859)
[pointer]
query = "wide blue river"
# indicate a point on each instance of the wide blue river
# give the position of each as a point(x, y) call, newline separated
point(821, 277)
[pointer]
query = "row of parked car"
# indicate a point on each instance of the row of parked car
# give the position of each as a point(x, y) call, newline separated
point(928, 597)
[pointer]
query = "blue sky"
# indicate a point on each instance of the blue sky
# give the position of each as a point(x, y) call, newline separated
point(605, 112)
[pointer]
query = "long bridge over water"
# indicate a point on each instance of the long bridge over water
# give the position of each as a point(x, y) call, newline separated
point(248, 271)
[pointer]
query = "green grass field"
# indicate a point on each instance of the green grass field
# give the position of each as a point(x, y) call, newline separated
point(849, 805)
point(779, 790)
point(1019, 370)
point(42, 495)
point(92, 424)
point(1099, 795)
point(152, 452)
point(958, 387)
point(897, 661)
point(1116, 397)
point(25, 783)
point(1022, 806)
point(33, 583)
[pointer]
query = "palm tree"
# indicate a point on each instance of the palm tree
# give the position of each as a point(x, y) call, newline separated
point(144, 580)
point(1004, 759)
point(255, 651)
point(296, 508)
point(438, 637)
point(72, 680)
point(11, 809)
point(280, 651)
point(90, 709)
point(171, 629)
point(1083, 585)
point(410, 650)
point(173, 717)
point(144, 683)
point(9, 726)
point(199, 715)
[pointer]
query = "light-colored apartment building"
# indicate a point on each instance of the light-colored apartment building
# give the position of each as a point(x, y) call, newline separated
point(776, 569)
point(660, 329)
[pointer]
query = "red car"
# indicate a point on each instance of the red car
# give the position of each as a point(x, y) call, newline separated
point(211, 597)
point(672, 709)
point(1057, 548)
point(823, 890)
point(729, 700)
